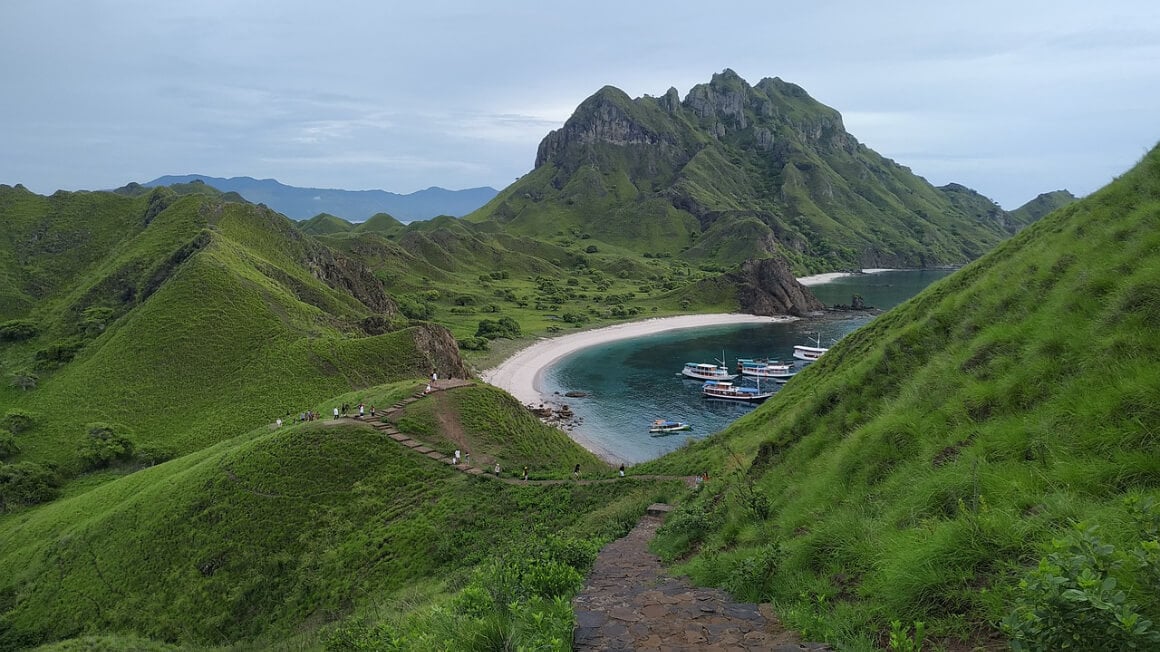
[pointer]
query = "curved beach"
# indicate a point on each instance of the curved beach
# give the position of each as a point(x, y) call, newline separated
point(520, 374)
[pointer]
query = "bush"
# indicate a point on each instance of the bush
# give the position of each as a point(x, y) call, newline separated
point(473, 344)
point(8, 445)
point(505, 327)
point(27, 483)
point(104, 445)
point(18, 329)
point(1075, 599)
point(17, 421)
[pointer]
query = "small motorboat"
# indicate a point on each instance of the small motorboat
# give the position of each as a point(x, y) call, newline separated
point(664, 426)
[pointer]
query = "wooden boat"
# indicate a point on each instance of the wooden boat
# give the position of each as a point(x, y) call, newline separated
point(763, 368)
point(729, 391)
point(706, 371)
point(664, 426)
point(810, 353)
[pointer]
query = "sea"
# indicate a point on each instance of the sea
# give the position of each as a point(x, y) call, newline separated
point(630, 383)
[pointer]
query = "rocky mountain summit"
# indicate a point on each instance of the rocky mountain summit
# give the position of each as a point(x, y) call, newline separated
point(734, 172)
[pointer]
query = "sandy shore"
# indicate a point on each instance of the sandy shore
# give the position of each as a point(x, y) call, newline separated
point(520, 374)
point(818, 279)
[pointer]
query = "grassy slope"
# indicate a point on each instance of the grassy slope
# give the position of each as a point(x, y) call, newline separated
point(919, 468)
point(235, 335)
point(261, 535)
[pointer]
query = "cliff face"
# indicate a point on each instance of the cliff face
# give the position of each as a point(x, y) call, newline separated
point(769, 152)
point(438, 345)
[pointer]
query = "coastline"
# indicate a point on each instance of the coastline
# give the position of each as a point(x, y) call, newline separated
point(521, 375)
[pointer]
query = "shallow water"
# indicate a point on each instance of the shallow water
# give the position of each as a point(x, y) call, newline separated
point(631, 383)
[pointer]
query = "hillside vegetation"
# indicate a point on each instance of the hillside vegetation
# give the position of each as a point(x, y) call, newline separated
point(911, 481)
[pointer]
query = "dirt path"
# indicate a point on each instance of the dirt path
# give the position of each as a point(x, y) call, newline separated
point(630, 603)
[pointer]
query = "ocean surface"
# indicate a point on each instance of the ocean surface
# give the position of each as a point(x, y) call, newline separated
point(630, 383)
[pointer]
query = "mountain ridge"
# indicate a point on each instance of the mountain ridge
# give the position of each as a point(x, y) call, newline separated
point(301, 203)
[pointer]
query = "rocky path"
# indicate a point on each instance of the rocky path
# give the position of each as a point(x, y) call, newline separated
point(630, 603)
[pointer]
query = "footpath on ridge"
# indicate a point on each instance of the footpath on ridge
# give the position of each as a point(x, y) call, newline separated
point(629, 602)
point(421, 448)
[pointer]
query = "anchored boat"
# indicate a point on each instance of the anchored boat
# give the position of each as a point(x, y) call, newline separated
point(762, 368)
point(729, 391)
point(664, 427)
point(706, 371)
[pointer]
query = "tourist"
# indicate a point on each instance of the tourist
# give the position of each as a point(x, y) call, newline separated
point(497, 469)
point(336, 412)
point(576, 472)
point(434, 376)
point(278, 422)
point(360, 411)
point(525, 473)
point(372, 411)
point(622, 470)
point(456, 458)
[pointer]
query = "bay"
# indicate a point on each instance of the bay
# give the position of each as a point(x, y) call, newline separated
point(630, 383)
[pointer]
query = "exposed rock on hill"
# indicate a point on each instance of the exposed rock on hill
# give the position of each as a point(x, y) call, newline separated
point(768, 287)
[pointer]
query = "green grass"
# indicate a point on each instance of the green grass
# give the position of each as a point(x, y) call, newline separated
point(924, 465)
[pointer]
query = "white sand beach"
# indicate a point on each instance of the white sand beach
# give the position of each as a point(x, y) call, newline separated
point(818, 279)
point(520, 374)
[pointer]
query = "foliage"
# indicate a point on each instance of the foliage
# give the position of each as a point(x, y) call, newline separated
point(504, 327)
point(25, 380)
point(18, 329)
point(26, 483)
point(17, 421)
point(104, 445)
point(8, 446)
point(1085, 594)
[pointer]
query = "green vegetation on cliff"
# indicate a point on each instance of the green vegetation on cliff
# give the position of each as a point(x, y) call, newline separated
point(922, 468)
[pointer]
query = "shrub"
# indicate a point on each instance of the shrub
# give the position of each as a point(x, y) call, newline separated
point(8, 445)
point(17, 421)
point(473, 344)
point(25, 380)
point(104, 445)
point(27, 483)
point(1074, 600)
point(18, 329)
point(504, 327)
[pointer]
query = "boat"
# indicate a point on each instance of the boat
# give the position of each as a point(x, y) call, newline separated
point(729, 391)
point(664, 426)
point(810, 353)
point(764, 368)
point(706, 371)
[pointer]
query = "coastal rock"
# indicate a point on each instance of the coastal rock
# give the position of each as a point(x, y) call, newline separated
point(768, 287)
point(441, 350)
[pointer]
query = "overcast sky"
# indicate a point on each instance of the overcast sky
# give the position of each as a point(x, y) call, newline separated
point(1012, 98)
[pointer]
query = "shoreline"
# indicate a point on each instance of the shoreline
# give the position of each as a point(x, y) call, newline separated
point(521, 375)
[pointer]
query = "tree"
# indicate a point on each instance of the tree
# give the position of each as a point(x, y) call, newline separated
point(8, 446)
point(27, 483)
point(105, 444)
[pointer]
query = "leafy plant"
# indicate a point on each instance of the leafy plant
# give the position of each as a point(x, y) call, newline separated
point(104, 445)
point(1073, 600)
point(27, 483)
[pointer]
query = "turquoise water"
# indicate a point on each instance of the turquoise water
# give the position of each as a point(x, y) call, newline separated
point(631, 383)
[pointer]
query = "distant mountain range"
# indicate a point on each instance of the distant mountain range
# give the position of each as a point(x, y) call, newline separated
point(353, 205)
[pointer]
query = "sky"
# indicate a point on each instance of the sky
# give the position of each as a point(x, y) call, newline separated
point(1011, 98)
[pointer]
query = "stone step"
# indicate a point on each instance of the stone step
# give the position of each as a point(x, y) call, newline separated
point(398, 436)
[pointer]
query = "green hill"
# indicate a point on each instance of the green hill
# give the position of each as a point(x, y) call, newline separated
point(764, 165)
point(922, 468)
point(379, 223)
point(1042, 205)
point(324, 224)
point(271, 535)
point(205, 318)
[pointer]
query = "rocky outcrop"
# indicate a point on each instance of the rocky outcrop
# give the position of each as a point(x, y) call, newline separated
point(768, 287)
point(438, 346)
point(350, 276)
point(604, 118)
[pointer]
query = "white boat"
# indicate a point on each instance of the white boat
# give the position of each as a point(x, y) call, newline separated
point(771, 369)
point(664, 426)
point(810, 353)
point(729, 391)
point(706, 371)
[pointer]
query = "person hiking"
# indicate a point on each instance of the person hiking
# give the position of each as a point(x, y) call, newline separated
point(576, 472)
point(525, 473)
